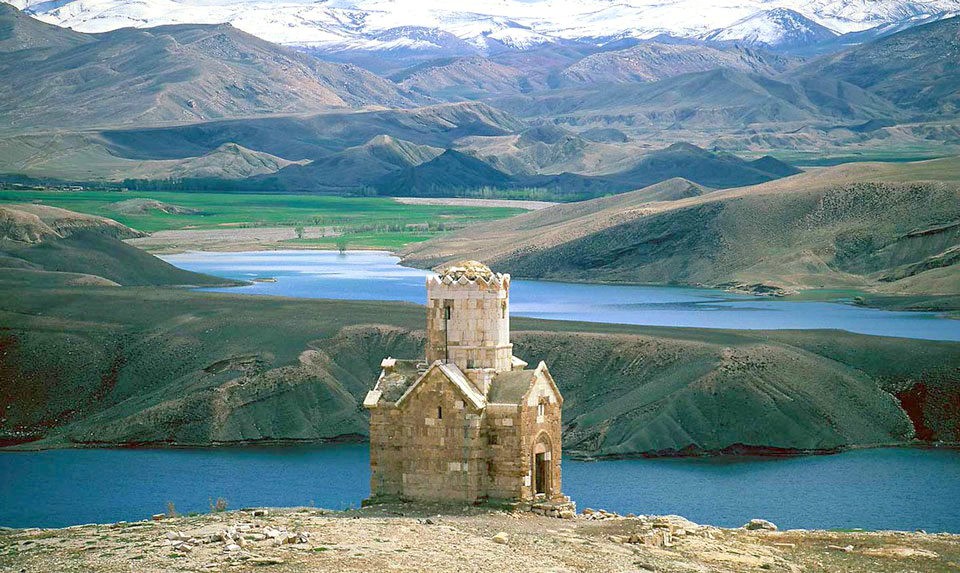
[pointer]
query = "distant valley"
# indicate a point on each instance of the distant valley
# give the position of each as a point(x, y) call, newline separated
point(692, 157)
point(207, 106)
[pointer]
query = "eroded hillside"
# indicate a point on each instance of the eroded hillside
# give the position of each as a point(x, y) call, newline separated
point(886, 227)
point(201, 368)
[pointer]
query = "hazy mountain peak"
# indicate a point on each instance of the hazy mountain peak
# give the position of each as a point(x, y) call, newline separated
point(183, 72)
point(18, 32)
point(778, 27)
point(397, 151)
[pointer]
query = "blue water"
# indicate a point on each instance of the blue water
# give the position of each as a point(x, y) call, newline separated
point(873, 489)
point(373, 275)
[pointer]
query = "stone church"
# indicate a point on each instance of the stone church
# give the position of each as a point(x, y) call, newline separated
point(470, 423)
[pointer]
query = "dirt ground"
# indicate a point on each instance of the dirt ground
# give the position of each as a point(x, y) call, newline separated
point(402, 538)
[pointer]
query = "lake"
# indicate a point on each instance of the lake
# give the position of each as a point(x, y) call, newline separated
point(874, 489)
point(377, 275)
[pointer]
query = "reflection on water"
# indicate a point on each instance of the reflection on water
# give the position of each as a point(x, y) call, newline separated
point(376, 275)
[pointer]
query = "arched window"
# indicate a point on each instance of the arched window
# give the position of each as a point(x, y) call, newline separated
point(439, 412)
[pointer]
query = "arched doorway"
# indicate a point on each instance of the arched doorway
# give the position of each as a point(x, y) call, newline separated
point(541, 467)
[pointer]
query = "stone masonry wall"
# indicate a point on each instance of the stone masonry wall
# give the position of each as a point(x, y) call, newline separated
point(477, 332)
point(547, 429)
point(465, 455)
point(417, 454)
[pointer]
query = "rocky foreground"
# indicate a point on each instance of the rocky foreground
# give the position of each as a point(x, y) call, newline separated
point(401, 538)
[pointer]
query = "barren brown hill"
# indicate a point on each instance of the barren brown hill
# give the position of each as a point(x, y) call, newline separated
point(42, 245)
point(181, 73)
point(890, 227)
point(84, 364)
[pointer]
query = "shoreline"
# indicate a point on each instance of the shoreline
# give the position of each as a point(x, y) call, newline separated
point(853, 297)
point(729, 453)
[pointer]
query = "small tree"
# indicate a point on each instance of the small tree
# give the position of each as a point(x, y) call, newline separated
point(299, 231)
point(342, 245)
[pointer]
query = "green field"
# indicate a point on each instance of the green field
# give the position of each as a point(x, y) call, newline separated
point(367, 222)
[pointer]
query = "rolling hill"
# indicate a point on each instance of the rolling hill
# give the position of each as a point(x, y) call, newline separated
point(454, 172)
point(181, 73)
point(353, 168)
point(715, 100)
point(551, 150)
point(552, 67)
point(653, 61)
point(314, 136)
point(31, 38)
point(464, 79)
point(41, 245)
point(914, 69)
point(887, 227)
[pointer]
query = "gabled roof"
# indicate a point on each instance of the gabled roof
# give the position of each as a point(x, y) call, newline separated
point(513, 386)
point(454, 375)
point(397, 378)
point(510, 387)
point(464, 384)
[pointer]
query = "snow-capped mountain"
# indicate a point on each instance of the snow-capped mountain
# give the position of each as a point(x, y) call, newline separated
point(776, 28)
point(491, 25)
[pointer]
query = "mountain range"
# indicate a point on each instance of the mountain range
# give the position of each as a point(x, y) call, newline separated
point(486, 26)
point(59, 78)
point(209, 106)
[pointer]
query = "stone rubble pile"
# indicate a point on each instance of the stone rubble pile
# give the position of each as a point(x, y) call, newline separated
point(565, 509)
point(652, 531)
point(236, 538)
point(590, 513)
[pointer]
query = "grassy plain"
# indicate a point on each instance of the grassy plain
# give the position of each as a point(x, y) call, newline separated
point(367, 222)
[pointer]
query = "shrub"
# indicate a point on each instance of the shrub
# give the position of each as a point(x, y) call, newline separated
point(218, 506)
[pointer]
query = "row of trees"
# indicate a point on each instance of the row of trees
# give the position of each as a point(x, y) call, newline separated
point(430, 226)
